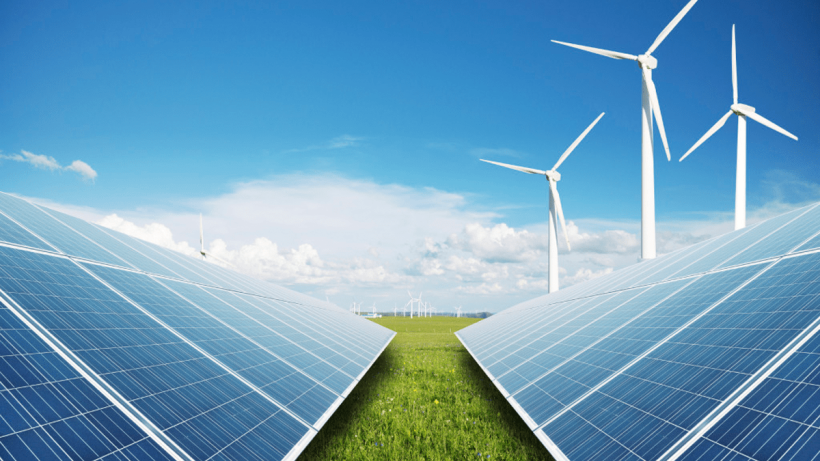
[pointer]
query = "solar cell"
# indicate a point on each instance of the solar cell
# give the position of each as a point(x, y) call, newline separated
point(723, 364)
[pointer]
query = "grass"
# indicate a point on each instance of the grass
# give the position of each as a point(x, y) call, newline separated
point(425, 398)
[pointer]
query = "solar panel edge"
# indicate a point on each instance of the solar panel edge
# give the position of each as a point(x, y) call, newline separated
point(361, 375)
point(300, 446)
point(102, 386)
point(551, 447)
point(283, 360)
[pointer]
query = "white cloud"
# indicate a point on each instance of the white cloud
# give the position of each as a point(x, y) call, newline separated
point(607, 242)
point(50, 163)
point(83, 169)
point(38, 161)
point(499, 243)
point(155, 233)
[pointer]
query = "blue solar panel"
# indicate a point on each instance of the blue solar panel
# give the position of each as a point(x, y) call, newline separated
point(13, 233)
point(133, 257)
point(721, 364)
point(54, 232)
point(200, 323)
point(781, 241)
point(202, 407)
point(811, 244)
point(49, 411)
point(777, 420)
point(743, 241)
point(233, 368)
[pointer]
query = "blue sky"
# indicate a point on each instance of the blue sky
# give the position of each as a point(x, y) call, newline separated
point(195, 106)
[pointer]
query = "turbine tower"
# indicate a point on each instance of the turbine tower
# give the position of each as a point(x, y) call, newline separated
point(554, 204)
point(204, 254)
point(742, 111)
point(650, 106)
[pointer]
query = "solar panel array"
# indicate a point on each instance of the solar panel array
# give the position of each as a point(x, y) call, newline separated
point(114, 348)
point(707, 353)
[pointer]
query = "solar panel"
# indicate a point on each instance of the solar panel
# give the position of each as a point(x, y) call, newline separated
point(114, 348)
point(711, 352)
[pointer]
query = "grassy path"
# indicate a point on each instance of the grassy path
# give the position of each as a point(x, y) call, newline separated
point(425, 398)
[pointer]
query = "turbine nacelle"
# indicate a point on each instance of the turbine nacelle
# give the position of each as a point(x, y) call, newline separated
point(647, 62)
point(742, 109)
point(553, 176)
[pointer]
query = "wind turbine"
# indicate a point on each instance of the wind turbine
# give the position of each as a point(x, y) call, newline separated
point(554, 203)
point(205, 255)
point(412, 300)
point(650, 106)
point(742, 111)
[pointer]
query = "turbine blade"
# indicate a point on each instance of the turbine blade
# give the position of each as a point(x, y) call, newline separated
point(671, 26)
point(560, 211)
point(734, 66)
point(708, 134)
point(763, 121)
point(519, 168)
point(602, 52)
point(656, 109)
point(575, 144)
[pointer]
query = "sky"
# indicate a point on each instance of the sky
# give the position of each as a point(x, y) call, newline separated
point(333, 147)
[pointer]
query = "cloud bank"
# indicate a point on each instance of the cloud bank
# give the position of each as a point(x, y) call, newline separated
point(345, 238)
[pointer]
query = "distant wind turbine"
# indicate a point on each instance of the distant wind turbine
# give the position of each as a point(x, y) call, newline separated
point(650, 106)
point(412, 300)
point(742, 111)
point(205, 255)
point(554, 204)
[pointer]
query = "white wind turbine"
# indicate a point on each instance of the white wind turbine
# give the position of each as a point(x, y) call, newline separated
point(412, 300)
point(742, 111)
point(650, 106)
point(554, 204)
point(204, 254)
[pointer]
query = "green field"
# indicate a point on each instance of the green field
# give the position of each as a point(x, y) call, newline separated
point(425, 398)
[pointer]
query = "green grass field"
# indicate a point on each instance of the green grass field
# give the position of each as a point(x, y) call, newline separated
point(425, 398)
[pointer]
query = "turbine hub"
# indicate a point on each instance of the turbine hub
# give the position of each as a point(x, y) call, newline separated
point(647, 62)
point(742, 109)
point(553, 176)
